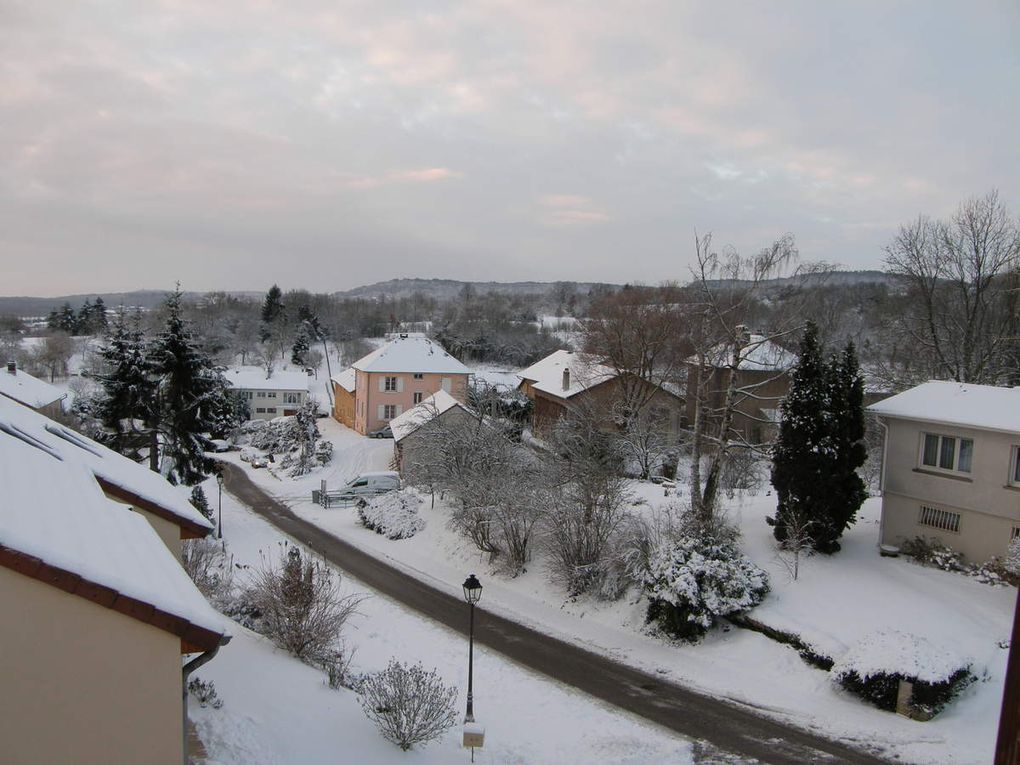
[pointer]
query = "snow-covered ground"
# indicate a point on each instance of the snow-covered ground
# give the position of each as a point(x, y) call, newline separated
point(835, 602)
point(278, 710)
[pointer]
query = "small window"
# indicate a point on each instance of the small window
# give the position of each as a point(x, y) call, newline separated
point(1015, 466)
point(260, 410)
point(389, 411)
point(1014, 533)
point(260, 394)
point(249, 395)
point(359, 484)
point(391, 384)
point(417, 396)
point(271, 394)
point(947, 453)
point(419, 376)
point(292, 398)
point(270, 410)
point(939, 519)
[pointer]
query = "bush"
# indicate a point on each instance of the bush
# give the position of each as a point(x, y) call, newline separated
point(394, 514)
point(874, 667)
point(698, 579)
point(409, 705)
point(299, 605)
point(208, 565)
point(204, 693)
point(995, 571)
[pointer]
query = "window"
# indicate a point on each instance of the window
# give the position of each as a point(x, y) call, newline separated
point(260, 394)
point(389, 411)
point(1014, 533)
point(292, 398)
point(939, 519)
point(249, 395)
point(271, 394)
point(947, 453)
point(391, 384)
point(270, 410)
point(419, 376)
point(417, 397)
point(260, 410)
point(1014, 477)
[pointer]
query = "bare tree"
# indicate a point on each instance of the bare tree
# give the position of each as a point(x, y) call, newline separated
point(962, 275)
point(54, 353)
point(409, 705)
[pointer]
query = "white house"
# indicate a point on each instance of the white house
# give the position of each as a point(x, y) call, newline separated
point(18, 385)
point(280, 393)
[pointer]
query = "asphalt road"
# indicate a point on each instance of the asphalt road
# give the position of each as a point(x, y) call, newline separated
point(723, 729)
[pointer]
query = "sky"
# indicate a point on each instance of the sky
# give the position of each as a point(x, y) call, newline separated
point(325, 145)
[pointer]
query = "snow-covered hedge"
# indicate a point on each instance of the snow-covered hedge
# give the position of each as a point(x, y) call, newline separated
point(394, 514)
point(874, 667)
point(694, 581)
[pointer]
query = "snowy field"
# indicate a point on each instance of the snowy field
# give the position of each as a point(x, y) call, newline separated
point(278, 710)
point(835, 602)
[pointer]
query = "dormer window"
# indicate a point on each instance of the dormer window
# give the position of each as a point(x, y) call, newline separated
point(948, 453)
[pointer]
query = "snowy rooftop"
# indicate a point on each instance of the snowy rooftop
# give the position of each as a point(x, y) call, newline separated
point(987, 407)
point(55, 511)
point(346, 379)
point(547, 375)
point(105, 464)
point(759, 355)
point(254, 378)
point(408, 422)
point(28, 390)
point(410, 353)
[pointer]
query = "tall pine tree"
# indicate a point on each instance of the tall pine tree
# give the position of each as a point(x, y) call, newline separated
point(272, 311)
point(820, 448)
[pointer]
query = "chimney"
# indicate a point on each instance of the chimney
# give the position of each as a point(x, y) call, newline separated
point(566, 379)
point(12, 367)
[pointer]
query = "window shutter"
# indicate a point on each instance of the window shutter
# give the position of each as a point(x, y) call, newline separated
point(382, 411)
point(382, 384)
point(447, 384)
point(400, 409)
point(400, 385)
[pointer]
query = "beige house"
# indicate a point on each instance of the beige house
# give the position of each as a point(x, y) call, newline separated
point(166, 508)
point(951, 467)
point(278, 394)
point(409, 438)
point(389, 381)
point(97, 615)
point(566, 379)
point(18, 385)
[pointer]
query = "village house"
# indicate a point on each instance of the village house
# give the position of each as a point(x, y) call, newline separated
point(951, 467)
point(18, 385)
point(762, 381)
point(165, 508)
point(97, 616)
point(566, 380)
point(409, 439)
point(381, 386)
point(278, 394)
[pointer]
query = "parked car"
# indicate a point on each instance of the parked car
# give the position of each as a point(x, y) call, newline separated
point(386, 432)
point(219, 445)
point(369, 485)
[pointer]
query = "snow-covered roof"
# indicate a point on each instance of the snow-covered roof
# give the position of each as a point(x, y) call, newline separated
point(406, 423)
point(987, 407)
point(128, 480)
point(346, 379)
point(54, 511)
point(254, 378)
point(759, 355)
point(584, 372)
point(28, 390)
point(410, 353)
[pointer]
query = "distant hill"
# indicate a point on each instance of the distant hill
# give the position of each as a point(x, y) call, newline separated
point(38, 306)
point(827, 279)
point(450, 288)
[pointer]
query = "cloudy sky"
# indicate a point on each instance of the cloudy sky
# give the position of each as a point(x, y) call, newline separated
point(329, 144)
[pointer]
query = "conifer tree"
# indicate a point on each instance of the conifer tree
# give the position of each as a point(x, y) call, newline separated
point(272, 310)
point(300, 348)
point(199, 502)
point(848, 490)
point(99, 324)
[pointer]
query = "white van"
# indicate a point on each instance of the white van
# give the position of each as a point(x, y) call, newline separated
point(370, 485)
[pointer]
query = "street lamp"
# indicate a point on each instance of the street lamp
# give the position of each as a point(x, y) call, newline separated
point(472, 594)
point(219, 483)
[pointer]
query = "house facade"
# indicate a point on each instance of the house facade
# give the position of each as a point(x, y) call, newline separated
point(38, 395)
point(566, 380)
point(92, 662)
point(279, 394)
point(951, 467)
point(394, 378)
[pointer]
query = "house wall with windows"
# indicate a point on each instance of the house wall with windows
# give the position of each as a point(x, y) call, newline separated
point(278, 395)
point(956, 484)
point(382, 396)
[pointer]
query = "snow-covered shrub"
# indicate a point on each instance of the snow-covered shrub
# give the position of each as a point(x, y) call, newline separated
point(204, 693)
point(324, 452)
point(994, 571)
point(299, 605)
point(698, 579)
point(394, 514)
point(874, 667)
point(209, 566)
point(409, 705)
point(932, 552)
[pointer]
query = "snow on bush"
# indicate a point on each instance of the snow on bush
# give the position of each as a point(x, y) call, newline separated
point(874, 667)
point(394, 514)
point(695, 580)
point(410, 706)
point(936, 554)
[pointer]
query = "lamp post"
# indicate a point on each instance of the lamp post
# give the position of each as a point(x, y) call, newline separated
point(219, 484)
point(472, 594)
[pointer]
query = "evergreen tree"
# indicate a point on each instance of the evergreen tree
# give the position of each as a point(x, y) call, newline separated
point(99, 324)
point(200, 503)
point(820, 447)
point(125, 404)
point(300, 349)
point(272, 310)
point(83, 322)
point(188, 391)
point(63, 319)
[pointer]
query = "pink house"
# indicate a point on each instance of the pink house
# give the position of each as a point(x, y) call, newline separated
point(392, 379)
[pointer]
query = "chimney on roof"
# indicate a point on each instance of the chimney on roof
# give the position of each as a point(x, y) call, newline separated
point(12, 367)
point(566, 378)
